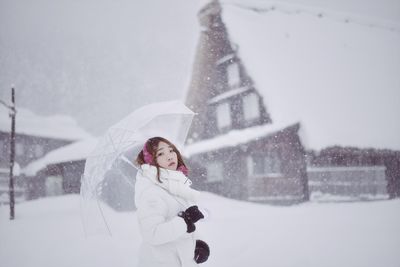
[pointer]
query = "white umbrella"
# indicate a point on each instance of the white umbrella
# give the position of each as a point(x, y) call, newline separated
point(108, 180)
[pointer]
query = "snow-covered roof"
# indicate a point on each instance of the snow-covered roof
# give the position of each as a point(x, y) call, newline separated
point(337, 73)
point(233, 138)
point(73, 152)
point(56, 126)
point(228, 94)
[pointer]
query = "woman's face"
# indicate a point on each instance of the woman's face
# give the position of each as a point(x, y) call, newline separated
point(166, 156)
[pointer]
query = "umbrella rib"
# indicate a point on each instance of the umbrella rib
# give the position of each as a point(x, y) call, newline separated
point(125, 130)
point(112, 142)
point(114, 146)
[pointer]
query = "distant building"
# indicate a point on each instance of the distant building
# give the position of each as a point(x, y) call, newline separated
point(354, 174)
point(35, 137)
point(60, 171)
point(244, 147)
point(238, 150)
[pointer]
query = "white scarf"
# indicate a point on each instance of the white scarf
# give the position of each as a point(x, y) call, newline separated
point(175, 182)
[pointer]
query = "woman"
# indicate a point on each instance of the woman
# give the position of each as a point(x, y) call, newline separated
point(166, 208)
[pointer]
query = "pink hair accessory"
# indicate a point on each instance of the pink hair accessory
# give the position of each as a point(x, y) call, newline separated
point(148, 158)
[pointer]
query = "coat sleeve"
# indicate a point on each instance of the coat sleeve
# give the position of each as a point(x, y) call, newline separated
point(156, 230)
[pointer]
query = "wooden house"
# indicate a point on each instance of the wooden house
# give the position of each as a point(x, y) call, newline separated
point(58, 172)
point(35, 137)
point(237, 148)
point(279, 115)
point(353, 173)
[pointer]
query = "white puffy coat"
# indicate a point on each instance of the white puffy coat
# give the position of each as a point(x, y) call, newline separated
point(165, 240)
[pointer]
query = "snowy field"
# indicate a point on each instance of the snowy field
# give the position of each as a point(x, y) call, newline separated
point(48, 232)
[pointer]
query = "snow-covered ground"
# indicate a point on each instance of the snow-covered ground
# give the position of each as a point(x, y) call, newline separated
point(48, 232)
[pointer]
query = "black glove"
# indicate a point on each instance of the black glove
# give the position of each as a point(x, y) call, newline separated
point(191, 215)
point(201, 252)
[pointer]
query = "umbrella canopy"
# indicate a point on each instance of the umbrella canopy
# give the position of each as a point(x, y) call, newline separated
point(108, 179)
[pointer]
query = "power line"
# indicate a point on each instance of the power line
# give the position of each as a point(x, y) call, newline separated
point(334, 16)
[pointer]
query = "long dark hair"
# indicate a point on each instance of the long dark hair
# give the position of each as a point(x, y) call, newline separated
point(151, 147)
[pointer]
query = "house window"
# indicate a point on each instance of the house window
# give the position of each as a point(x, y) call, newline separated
point(273, 162)
point(223, 115)
point(214, 172)
point(269, 164)
point(256, 164)
point(251, 107)
point(19, 149)
point(233, 75)
point(54, 186)
point(38, 150)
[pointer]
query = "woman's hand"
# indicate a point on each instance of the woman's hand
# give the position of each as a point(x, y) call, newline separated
point(201, 252)
point(191, 215)
point(194, 214)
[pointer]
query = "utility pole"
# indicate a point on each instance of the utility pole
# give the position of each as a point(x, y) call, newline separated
point(12, 155)
point(12, 114)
